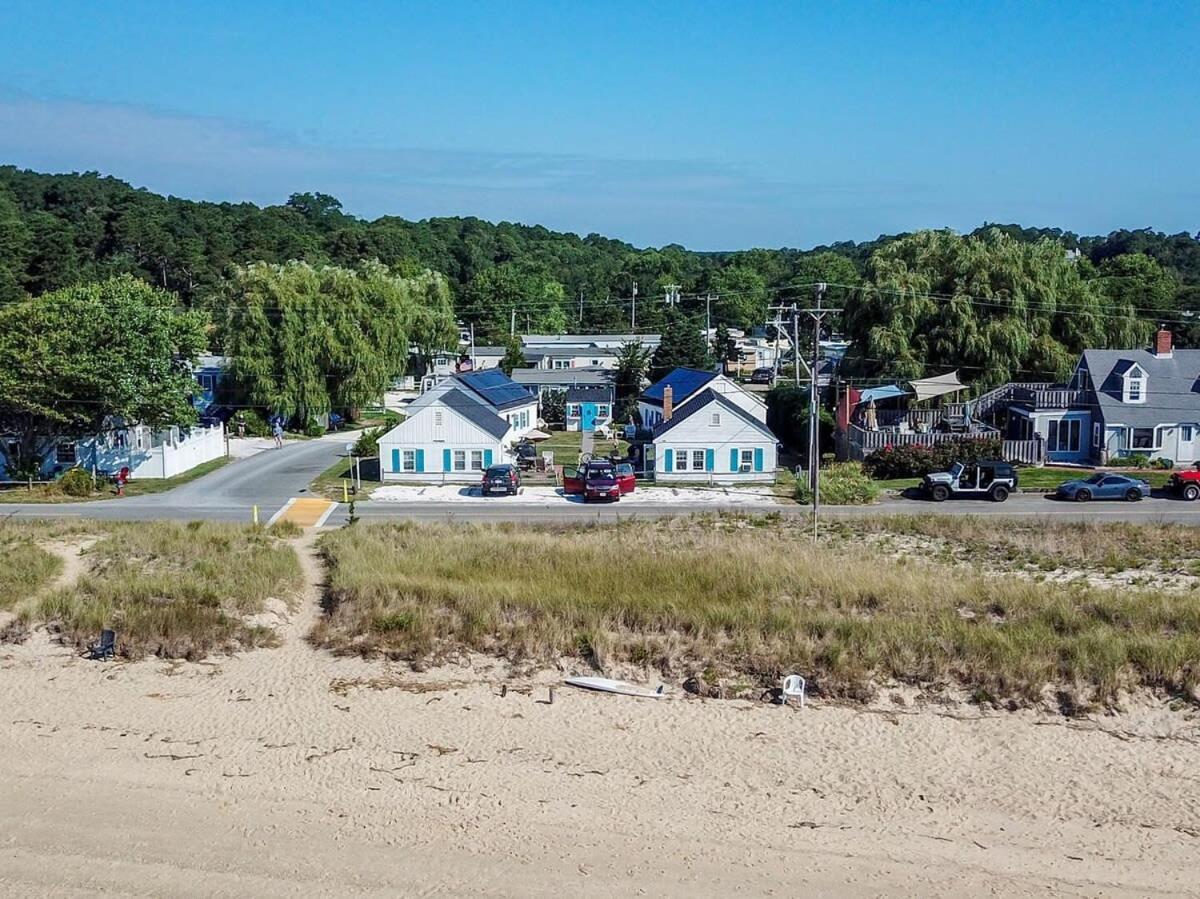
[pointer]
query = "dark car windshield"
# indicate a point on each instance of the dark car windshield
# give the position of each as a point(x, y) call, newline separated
point(498, 471)
point(601, 471)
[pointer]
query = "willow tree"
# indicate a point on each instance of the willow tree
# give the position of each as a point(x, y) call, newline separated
point(305, 340)
point(995, 308)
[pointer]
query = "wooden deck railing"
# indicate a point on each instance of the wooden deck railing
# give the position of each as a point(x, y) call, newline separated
point(861, 443)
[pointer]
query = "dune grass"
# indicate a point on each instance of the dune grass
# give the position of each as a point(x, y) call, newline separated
point(174, 590)
point(758, 600)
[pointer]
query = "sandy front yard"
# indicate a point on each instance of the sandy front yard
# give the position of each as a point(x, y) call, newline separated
point(543, 496)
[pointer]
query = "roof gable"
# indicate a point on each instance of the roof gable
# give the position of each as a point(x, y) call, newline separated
point(702, 401)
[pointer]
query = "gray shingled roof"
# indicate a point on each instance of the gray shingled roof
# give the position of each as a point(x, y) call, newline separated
point(1172, 393)
point(699, 402)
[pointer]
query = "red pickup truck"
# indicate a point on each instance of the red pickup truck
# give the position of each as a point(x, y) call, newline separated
point(1186, 483)
point(599, 480)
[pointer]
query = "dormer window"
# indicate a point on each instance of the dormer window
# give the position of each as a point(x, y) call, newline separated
point(1134, 385)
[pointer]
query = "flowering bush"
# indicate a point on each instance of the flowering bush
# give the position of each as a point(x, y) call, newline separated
point(916, 461)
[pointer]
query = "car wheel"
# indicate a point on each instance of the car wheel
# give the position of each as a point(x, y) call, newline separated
point(939, 493)
point(1191, 492)
point(512, 492)
point(1133, 495)
point(999, 493)
point(1082, 496)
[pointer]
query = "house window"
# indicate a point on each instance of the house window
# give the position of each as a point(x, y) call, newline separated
point(1185, 433)
point(1064, 436)
point(408, 460)
point(476, 460)
point(714, 420)
point(460, 460)
point(1143, 438)
point(572, 410)
point(602, 410)
point(747, 460)
point(1097, 431)
point(66, 453)
point(1135, 390)
point(560, 363)
point(681, 460)
point(698, 460)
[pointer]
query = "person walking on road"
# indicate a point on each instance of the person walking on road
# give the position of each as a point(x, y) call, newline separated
point(278, 432)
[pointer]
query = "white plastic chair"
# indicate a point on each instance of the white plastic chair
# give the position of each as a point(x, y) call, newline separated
point(794, 685)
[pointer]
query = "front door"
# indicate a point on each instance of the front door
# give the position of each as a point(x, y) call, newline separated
point(572, 482)
point(587, 416)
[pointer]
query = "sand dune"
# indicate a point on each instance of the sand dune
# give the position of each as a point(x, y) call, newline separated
point(287, 771)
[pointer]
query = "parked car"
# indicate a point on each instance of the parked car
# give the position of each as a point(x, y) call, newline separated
point(626, 477)
point(995, 480)
point(1104, 485)
point(500, 478)
point(762, 376)
point(1186, 483)
point(598, 480)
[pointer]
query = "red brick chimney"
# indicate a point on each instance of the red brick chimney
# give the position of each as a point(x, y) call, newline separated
point(668, 402)
point(1163, 344)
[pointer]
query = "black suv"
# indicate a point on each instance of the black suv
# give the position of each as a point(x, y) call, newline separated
point(502, 478)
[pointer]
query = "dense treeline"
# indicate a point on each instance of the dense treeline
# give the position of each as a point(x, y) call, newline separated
point(63, 230)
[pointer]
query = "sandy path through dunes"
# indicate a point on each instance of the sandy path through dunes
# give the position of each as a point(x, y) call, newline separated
point(251, 776)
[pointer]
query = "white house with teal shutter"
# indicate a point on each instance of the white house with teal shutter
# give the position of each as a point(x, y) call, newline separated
point(712, 439)
point(452, 439)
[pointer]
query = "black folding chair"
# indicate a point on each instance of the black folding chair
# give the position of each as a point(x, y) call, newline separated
point(106, 648)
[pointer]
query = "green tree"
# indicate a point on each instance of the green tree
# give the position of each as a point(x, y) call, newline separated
point(992, 306)
point(633, 361)
point(514, 356)
point(682, 344)
point(306, 340)
point(740, 297)
point(1137, 281)
point(75, 359)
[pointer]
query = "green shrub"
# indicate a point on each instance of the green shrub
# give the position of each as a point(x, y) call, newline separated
point(314, 428)
point(914, 461)
point(76, 482)
point(842, 484)
point(367, 444)
point(1134, 460)
point(256, 425)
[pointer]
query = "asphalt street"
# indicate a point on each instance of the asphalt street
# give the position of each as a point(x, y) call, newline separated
point(271, 478)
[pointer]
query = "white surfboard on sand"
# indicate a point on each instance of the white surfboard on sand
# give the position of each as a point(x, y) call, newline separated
point(607, 685)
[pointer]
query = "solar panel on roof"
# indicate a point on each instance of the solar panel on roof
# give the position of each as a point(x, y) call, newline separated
point(495, 387)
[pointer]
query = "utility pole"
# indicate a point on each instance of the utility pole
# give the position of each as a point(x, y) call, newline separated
point(814, 406)
point(581, 307)
point(708, 315)
point(796, 343)
point(512, 323)
point(633, 310)
point(473, 363)
point(672, 294)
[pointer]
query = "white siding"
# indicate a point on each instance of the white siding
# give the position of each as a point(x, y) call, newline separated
point(698, 434)
point(734, 392)
point(422, 432)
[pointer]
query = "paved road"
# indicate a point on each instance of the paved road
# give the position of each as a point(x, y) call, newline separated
point(273, 477)
point(268, 480)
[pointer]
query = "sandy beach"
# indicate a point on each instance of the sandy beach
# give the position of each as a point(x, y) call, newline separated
point(289, 771)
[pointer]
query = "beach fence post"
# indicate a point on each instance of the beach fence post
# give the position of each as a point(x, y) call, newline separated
point(255, 512)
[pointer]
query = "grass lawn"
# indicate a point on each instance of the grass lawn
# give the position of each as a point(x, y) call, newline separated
point(1048, 478)
point(329, 482)
point(566, 446)
point(754, 597)
point(50, 493)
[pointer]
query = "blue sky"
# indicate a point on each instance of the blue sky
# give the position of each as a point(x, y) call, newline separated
point(718, 125)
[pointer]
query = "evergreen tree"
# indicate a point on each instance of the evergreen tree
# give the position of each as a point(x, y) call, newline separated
point(683, 344)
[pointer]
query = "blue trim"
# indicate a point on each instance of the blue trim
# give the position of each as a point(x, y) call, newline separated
point(733, 460)
point(420, 461)
point(395, 460)
point(447, 460)
point(758, 458)
point(669, 459)
point(487, 458)
point(709, 460)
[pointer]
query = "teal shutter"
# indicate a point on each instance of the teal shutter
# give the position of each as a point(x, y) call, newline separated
point(447, 465)
point(758, 458)
point(709, 461)
point(487, 458)
point(420, 460)
point(733, 459)
point(395, 460)
point(669, 460)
